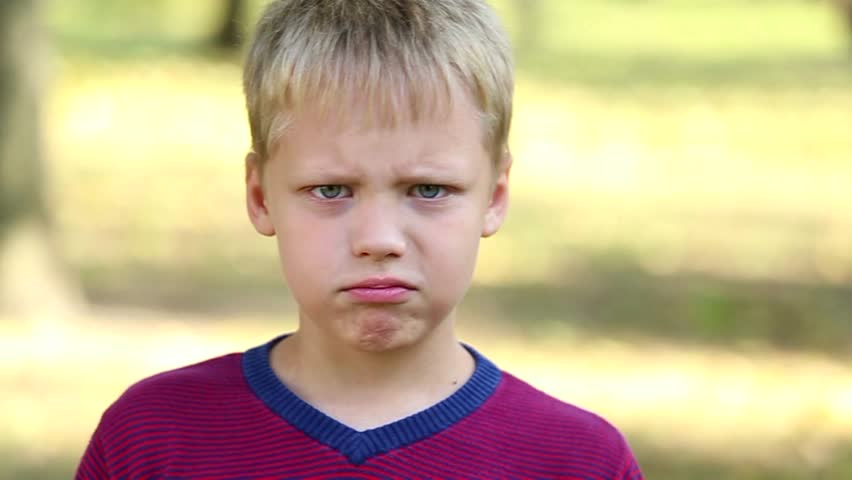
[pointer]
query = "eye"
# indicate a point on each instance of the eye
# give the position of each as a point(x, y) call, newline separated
point(429, 191)
point(330, 192)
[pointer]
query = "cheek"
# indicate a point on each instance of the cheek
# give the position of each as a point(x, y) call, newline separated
point(451, 254)
point(307, 249)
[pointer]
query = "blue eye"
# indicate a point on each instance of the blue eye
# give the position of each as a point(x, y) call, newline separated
point(329, 192)
point(429, 191)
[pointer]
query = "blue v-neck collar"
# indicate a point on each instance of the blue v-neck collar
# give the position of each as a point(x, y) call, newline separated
point(360, 446)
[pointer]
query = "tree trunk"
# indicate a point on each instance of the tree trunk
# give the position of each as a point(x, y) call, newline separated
point(230, 33)
point(845, 7)
point(32, 281)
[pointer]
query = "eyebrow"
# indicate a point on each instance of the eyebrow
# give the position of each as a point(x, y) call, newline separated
point(326, 176)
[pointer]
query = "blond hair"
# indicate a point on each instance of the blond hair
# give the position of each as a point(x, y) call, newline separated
point(401, 58)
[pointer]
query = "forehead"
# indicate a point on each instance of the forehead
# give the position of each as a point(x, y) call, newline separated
point(451, 117)
point(357, 141)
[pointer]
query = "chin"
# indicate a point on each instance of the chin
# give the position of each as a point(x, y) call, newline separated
point(380, 332)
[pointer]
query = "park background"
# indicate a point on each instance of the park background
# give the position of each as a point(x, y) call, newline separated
point(677, 257)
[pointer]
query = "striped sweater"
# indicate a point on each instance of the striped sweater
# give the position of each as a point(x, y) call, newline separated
point(230, 417)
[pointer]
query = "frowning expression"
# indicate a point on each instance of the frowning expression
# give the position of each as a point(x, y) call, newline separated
point(378, 228)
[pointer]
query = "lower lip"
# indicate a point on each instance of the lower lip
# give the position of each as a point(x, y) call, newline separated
point(380, 295)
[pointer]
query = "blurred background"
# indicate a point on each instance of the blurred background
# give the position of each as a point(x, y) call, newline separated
point(678, 255)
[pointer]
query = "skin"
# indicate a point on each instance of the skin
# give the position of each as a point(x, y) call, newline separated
point(347, 201)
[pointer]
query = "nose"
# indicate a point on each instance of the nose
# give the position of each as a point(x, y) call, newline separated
point(377, 232)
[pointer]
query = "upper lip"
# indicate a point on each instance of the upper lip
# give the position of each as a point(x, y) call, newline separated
point(380, 282)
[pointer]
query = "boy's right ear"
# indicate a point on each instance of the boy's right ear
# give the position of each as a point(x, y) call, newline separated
point(256, 197)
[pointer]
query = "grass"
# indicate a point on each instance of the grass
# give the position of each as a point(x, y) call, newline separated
point(676, 257)
point(691, 411)
point(668, 42)
point(746, 189)
point(654, 175)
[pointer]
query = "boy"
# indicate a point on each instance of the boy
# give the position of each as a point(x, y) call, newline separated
point(379, 159)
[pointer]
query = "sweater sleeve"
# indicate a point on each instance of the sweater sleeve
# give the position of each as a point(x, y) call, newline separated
point(93, 465)
point(629, 468)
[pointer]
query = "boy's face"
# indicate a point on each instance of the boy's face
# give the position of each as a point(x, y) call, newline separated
point(378, 229)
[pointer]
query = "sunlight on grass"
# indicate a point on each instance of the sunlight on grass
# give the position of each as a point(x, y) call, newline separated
point(761, 407)
point(710, 401)
point(63, 376)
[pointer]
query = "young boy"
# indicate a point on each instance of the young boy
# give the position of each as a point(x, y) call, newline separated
point(379, 159)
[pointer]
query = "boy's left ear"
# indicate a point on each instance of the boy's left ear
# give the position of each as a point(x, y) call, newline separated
point(498, 204)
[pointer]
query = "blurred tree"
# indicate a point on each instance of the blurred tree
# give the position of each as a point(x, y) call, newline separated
point(32, 281)
point(528, 15)
point(229, 35)
point(845, 8)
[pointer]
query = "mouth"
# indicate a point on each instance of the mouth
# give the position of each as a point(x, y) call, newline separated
point(381, 282)
point(380, 290)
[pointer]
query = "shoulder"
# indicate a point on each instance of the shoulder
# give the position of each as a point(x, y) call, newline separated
point(178, 390)
point(171, 412)
point(546, 427)
point(222, 370)
point(535, 405)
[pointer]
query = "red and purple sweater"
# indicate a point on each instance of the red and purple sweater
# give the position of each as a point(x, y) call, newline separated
point(230, 417)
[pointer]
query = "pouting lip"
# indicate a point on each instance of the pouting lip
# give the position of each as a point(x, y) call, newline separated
point(381, 282)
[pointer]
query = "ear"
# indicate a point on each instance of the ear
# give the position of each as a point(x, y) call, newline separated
point(498, 204)
point(256, 197)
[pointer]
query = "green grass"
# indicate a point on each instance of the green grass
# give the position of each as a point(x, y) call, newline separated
point(606, 43)
point(681, 213)
point(731, 198)
point(689, 411)
point(627, 44)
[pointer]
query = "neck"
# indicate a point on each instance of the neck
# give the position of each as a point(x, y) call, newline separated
point(367, 389)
